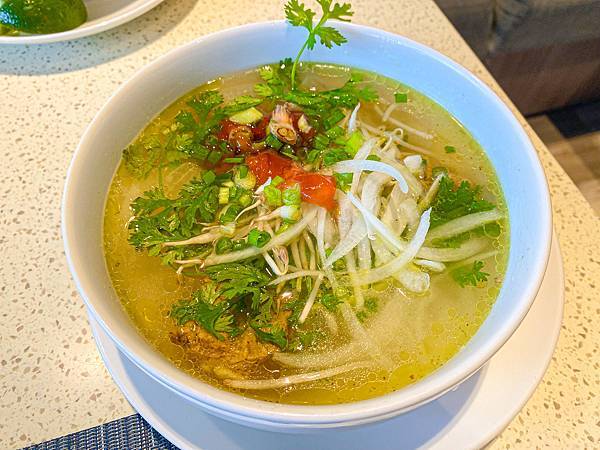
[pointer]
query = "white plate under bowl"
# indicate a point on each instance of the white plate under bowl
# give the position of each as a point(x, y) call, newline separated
point(102, 15)
point(468, 417)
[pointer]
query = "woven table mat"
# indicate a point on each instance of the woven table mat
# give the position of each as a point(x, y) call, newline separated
point(131, 432)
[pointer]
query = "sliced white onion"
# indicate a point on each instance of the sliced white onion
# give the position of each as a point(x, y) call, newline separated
point(311, 299)
point(409, 253)
point(414, 280)
point(433, 266)
point(431, 193)
point(352, 120)
point(414, 185)
point(394, 217)
point(464, 224)
point(371, 192)
point(411, 211)
point(466, 250)
point(321, 218)
point(414, 163)
point(357, 166)
point(357, 232)
point(344, 354)
point(275, 383)
point(364, 253)
point(377, 225)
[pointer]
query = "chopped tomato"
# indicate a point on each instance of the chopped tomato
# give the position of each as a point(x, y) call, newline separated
point(268, 164)
point(315, 188)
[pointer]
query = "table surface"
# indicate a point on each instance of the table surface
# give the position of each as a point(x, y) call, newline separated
point(52, 381)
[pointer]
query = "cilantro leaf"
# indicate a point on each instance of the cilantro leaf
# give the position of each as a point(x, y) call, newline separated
point(239, 280)
point(275, 335)
point(159, 219)
point(470, 275)
point(298, 15)
point(330, 36)
point(452, 202)
point(205, 309)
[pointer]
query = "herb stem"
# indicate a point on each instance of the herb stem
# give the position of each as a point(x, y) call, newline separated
point(311, 36)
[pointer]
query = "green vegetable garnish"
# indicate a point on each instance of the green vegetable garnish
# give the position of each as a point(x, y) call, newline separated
point(452, 202)
point(42, 16)
point(470, 274)
point(258, 238)
point(299, 15)
point(401, 97)
point(449, 149)
point(272, 196)
point(205, 309)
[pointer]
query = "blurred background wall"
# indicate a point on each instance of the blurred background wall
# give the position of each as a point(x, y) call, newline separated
point(546, 56)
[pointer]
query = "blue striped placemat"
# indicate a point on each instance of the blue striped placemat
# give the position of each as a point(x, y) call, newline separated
point(131, 432)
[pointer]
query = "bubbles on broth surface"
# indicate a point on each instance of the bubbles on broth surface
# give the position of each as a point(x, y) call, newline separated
point(419, 333)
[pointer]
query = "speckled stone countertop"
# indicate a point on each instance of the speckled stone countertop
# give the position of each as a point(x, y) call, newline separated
point(52, 381)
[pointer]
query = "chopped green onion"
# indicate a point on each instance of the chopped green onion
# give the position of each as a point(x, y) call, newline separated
point(228, 183)
point(272, 195)
point(201, 152)
point(209, 177)
point(291, 196)
point(343, 181)
point(334, 132)
point(223, 195)
point(245, 200)
point(313, 155)
point(230, 212)
point(450, 149)
point(234, 160)
point(273, 142)
point(243, 171)
point(321, 141)
point(214, 157)
point(277, 181)
point(258, 238)
point(401, 97)
point(288, 151)
point(354, 142)
point(373, 158)
point(333, 118)
point(246, 182)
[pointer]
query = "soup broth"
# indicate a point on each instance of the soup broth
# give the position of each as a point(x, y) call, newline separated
point(362, 340)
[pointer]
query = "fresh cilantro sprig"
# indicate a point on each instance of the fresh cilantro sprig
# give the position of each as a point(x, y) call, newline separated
point(206, 310)
point(159, 219)
point(299, 15)
point(454, 201)
point(470, 274)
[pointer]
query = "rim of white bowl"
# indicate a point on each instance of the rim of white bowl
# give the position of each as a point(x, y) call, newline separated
point(250, 411)
point(88, 28)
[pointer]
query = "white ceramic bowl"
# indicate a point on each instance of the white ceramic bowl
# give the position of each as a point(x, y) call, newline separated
point(463, 95)
point(102, 15)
